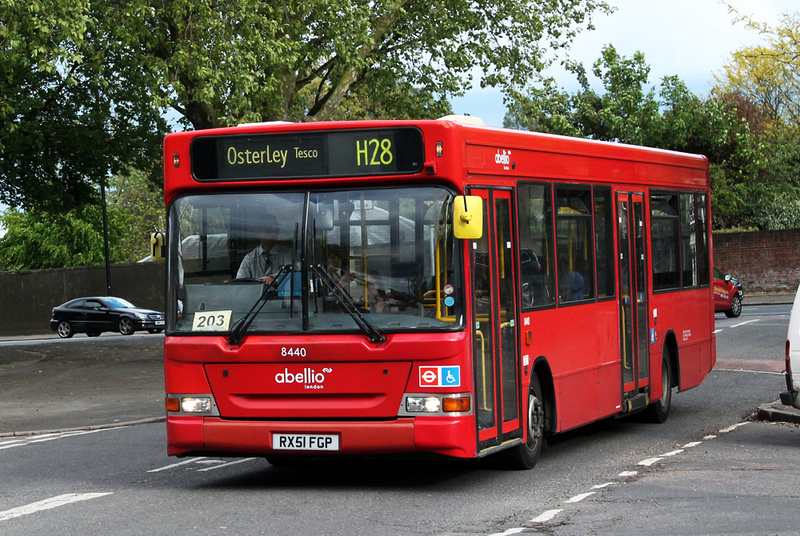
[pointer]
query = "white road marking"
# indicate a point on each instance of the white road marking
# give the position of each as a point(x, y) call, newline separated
point(509, 532)
point(546, 516)
point(649, 461)
point(731, 428)
point(579, 498)
point(743, 323)
point(171, 466)
point(47, 437)
point(226, 465)
point(47, 504)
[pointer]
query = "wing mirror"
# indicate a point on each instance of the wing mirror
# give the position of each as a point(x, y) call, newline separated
point(468, 217)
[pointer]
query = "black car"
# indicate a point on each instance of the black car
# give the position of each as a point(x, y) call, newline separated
point(95, 315)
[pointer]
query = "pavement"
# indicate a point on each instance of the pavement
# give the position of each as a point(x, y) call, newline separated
point(52, 385)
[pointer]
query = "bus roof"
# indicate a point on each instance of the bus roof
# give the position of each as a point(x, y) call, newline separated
point(467, 149)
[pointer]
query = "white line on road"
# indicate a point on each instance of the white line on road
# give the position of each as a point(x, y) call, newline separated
point(546, 516)
point(48, 437)
point(743, 323)
point(731, 428)
point(579, 498)
point(225, 465)
point(193, 460)
point(47, 504)
point(649, 461)
point(509, 532)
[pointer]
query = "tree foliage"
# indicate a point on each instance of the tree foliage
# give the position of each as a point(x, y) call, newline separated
point(37, 239)
point(226, 61)
point(768, 75)
point(84, 84)
point(671, 117)
point(763, 82)
point(74, 109)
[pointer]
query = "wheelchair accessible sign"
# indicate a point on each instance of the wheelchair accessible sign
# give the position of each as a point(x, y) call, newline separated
point(440, 376)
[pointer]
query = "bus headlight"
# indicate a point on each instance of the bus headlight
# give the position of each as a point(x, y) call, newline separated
point(423, 404)
point(196, 404)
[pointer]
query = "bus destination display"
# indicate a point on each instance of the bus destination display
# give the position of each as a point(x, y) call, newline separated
point(307, 154)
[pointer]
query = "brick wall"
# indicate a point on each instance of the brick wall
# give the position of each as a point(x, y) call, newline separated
point(764, 261)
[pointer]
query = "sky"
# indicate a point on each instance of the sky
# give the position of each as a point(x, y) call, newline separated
point(692, 39)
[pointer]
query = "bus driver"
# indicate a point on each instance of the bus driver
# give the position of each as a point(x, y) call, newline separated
point(266, 260)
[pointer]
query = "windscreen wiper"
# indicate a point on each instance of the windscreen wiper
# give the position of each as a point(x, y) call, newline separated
point(373, 333)
point(269, 292)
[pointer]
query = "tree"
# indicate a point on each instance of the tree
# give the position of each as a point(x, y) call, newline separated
point(138, 206)
point(74, 109)
point(763, 83)
point(37, 239)
point(768, 75)
point(672, 117)
point(626, 111)
point(226, 61)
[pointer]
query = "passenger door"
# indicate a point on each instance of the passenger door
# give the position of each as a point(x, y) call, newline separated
point(494, 318)
point(633, 317)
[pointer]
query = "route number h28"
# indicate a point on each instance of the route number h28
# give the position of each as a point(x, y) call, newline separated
point(374, 152)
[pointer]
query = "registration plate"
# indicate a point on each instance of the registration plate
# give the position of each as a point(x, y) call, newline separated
point(159, 322)
point(326, 442)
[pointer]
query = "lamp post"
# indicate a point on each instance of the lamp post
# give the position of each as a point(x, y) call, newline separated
point(105, 238)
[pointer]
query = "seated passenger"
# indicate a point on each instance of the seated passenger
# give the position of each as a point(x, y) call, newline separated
point(572, 286)
point(376, 296)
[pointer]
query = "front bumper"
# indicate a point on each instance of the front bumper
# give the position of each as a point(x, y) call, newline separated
point(149, 324)
point(202, 436)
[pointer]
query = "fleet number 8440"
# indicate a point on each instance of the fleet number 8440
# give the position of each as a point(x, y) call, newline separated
point(287, 351)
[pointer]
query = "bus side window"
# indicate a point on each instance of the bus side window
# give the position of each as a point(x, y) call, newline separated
point(575, 243)
point(537, 267)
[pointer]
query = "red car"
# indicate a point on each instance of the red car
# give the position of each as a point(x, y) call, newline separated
point(728, 294)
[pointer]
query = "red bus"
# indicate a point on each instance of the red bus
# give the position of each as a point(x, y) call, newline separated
point(426, 287)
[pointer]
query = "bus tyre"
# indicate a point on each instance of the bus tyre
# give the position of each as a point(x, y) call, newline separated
point(658, 411)
point(526, 455)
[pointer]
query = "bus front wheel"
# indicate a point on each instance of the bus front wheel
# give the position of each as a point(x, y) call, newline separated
point(658, 411)
point(525, 455)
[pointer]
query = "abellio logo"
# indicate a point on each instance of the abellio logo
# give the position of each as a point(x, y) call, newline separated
point(503, 158)
point(308, 378)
